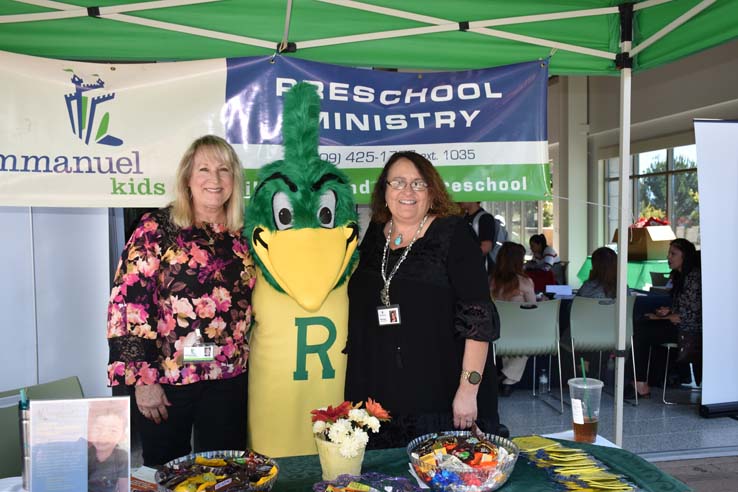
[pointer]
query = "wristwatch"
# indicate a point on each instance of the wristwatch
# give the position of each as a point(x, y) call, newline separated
point(473, 377)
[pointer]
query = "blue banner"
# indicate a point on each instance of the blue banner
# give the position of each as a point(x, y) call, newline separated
point(371, 107)
point(485, 130)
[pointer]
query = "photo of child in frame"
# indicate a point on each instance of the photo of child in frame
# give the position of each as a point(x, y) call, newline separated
point(107, 461)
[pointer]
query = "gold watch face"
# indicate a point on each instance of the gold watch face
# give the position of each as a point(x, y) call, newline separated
point(474, 377)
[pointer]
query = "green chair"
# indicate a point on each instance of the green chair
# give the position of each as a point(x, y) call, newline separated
point(594, 328)
point(10, 454)
point(530, 329)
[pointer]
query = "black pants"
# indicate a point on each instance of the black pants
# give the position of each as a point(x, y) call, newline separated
point(652, 333)
point(215, 409)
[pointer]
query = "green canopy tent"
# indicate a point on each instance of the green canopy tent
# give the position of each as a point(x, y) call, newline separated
point(581, 37)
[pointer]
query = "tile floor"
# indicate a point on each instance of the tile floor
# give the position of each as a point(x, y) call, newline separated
point(653, 430)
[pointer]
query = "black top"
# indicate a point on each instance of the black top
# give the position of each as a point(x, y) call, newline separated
point(487, 225)
point(414, 369)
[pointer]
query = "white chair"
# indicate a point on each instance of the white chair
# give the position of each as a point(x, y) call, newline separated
point(594, 328)
point(530, 329)
point(692, 385)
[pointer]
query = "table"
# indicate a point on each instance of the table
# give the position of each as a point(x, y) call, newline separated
point(639, 272)
point(11, 484)
point(569, 436)
point(298, 474)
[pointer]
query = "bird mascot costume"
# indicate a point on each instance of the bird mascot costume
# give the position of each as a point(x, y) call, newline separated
point(301, 224)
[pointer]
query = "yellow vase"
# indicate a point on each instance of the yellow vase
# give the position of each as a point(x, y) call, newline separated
point(333, 463)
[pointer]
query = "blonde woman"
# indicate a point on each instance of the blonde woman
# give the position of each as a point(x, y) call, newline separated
point(180, 311)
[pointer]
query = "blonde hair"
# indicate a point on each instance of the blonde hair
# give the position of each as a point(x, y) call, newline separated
point(182, 213)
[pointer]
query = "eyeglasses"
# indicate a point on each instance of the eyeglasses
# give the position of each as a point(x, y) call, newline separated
point(415, 185)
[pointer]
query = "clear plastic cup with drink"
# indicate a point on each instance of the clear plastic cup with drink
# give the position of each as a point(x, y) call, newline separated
point(585, 407)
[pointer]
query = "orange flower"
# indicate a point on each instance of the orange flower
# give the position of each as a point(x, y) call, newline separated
point(331, 414)
point(375, 410)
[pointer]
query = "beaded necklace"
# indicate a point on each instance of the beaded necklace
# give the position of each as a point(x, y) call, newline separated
point(384, 294)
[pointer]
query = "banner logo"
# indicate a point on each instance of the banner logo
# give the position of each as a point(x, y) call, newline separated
point(82, 110)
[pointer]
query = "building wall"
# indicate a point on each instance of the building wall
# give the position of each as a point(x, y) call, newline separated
point(56, 283)
point(665, 100)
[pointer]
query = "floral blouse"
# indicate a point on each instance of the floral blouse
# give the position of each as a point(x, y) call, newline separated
point(688, 302)
point(171, 282)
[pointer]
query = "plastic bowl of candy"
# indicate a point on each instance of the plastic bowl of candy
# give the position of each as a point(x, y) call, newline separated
point(459, 461)
point(224, 471)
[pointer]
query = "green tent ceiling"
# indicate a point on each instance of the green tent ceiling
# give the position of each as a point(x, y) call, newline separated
point(581, 35)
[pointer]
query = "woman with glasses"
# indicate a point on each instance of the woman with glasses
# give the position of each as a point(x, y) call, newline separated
point(420, 315)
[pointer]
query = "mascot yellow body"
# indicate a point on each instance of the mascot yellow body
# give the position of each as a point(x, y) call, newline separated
point(302, 227)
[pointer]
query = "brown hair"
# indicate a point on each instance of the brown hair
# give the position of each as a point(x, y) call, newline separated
point(690, 260)
point(182, 213)
point(106, 408)
point(509, 266)
point(605, 270)
point(441, 204)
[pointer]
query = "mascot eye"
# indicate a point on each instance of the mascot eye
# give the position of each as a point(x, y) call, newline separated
point(327, 209)
point(282, 209)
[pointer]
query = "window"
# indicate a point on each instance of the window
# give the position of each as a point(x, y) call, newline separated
point(521, 219)
point(664, 185)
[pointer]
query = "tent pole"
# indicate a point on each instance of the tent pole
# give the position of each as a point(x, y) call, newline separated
point(286, 35)
point(624, 213)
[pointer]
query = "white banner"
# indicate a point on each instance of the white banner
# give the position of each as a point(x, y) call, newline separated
point(717, 173)
point(92, 135)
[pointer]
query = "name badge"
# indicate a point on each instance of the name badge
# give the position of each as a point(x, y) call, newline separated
point(388, 315)
point(199, 353)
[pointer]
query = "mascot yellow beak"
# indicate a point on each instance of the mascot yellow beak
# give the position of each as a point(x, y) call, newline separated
point(306, 263)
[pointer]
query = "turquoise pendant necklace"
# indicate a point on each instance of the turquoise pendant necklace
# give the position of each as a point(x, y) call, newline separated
point(384, 294)
point(398, 240)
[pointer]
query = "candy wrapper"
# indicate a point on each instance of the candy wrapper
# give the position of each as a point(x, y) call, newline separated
point(224, 471)
point(367, 482)
point(462, 462)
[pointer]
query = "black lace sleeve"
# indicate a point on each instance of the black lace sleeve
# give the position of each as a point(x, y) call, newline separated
point(475, 313)
point(131, 348)
point(476, 320)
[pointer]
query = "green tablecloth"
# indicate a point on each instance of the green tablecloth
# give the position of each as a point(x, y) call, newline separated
point(639, 272)
point(298, 474)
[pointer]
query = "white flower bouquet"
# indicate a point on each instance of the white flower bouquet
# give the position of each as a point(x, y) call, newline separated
point(348, 425)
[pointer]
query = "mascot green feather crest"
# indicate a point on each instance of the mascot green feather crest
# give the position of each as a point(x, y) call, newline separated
point(301, 222)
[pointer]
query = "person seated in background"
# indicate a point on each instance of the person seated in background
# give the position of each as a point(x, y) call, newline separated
point(680, 323)
point(509, 283)
point(544, 256)
point(540, 267)
point(603, 278)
